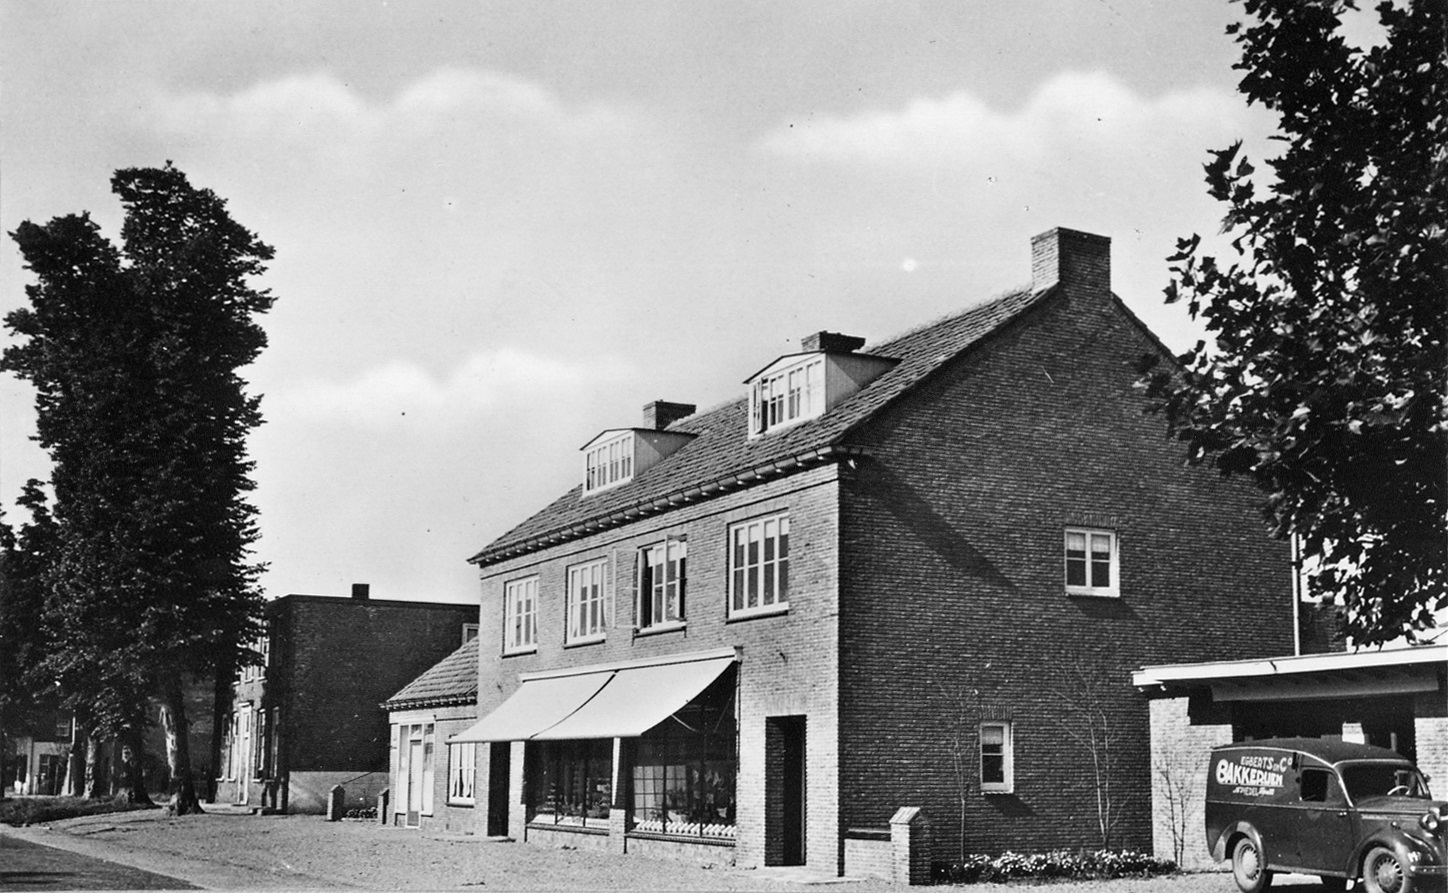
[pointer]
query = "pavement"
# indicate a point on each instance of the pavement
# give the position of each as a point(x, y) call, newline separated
point(231, 849)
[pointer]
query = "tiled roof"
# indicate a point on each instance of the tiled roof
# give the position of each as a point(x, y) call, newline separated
point(722, 456)
point(452, 680)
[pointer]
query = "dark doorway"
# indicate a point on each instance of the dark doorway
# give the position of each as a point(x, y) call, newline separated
point(499, 762)
point(784, 790)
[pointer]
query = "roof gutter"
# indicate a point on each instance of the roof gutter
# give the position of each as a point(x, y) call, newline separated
point(645, 508)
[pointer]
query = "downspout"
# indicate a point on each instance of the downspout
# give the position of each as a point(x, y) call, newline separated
point(1296, 595)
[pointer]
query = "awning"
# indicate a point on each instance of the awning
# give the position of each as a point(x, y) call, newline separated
point(535, 706)
point(637, 699)
point(615, 701)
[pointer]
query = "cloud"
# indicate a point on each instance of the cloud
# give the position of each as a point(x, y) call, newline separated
point(1071, 113)
point(317, 116)
point(503, 380)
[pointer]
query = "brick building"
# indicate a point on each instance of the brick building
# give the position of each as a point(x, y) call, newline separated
point(433, 783)
point(308, 717)
point(911, 576)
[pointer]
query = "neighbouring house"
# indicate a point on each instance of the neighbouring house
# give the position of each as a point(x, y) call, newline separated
point(37, 754)
point(307, 717)
point(891, 593)
point(1393, 697)
point(433, 782)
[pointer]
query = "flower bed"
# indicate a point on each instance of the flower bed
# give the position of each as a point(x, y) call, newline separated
point(1058, 864)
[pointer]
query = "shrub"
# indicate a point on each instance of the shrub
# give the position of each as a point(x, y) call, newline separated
point(37, 810)
point(1008, 866)
point(364, 812)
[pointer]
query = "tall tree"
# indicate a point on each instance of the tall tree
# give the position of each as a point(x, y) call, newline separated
point(135, 355)
point(24, 557)
point(1324, 381)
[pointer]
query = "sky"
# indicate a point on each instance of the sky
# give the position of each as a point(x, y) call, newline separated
point(503, 227)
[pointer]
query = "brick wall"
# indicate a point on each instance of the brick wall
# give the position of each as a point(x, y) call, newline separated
point(1180, 754)
point(953, 607)
point(338, 658)
point(1430, 723)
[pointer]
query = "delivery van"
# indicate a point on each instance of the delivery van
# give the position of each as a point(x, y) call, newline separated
point(1345, 812)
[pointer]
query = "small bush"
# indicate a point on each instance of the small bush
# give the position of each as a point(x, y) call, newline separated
point(37, 810)
point(364, 812)
point(1008, 866)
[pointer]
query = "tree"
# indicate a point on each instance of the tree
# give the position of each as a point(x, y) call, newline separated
point(1324, 379)
point(24, 556)
point(134, 354)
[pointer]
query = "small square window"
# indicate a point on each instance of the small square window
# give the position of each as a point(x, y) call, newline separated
point(1091, 563)
point(997, 758)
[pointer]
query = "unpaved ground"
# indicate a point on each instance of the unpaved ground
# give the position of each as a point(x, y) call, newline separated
point(221, 851)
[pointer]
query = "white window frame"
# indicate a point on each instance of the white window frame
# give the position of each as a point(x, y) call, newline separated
point(674, 553)
point(1090, 535)
point(609, 463)
point(788, 396)
point(462, 767)
point(588, 602)
point(1007, 755)
point(763, 572)
point(520, 616)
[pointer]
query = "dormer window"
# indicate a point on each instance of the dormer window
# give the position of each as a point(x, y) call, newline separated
point(790, 395)
point(609, 463)
point(798, 387)
point(615, 456)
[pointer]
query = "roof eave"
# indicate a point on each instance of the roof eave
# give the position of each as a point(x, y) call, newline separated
point(693, 493)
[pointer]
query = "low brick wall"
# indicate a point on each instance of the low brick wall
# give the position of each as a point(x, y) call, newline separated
point(868, 853)
point(685, 850)
point(577, 838)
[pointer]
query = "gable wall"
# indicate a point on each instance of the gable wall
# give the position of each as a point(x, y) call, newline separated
point(341, 659)
point(953, 606)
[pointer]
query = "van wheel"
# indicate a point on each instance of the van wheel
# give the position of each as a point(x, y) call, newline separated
point(1248, 868)
point(1383, 872)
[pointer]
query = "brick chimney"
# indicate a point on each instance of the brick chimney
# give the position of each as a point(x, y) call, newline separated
point(361, 591)
point(830, 342)
point(660, 414)
point(1079, 261)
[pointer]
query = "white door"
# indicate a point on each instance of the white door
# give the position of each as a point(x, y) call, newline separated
point(243, 758)
point(414, 783)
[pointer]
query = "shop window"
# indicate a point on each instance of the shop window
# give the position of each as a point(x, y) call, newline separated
point(570, 783)
point(684, 770)
point(1091, 562)
point(663, 572)
point(996, 758)
point(462, 761)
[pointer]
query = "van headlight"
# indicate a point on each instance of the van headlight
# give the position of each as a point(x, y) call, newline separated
point(1434, 820)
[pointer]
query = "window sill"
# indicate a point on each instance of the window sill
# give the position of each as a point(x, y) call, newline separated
point(579, 643)
point(1087, 593)
point(567, 829)
point(658, 628)
point(998, 792)
point(520, 651)
point(773, 611)
point(681, 838)
point(464, 804)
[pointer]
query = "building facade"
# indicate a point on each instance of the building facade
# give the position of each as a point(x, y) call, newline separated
point(434, 782)
point(914, 575)
point(308, 716)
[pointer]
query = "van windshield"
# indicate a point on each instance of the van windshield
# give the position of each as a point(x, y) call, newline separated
point(1380, 779)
